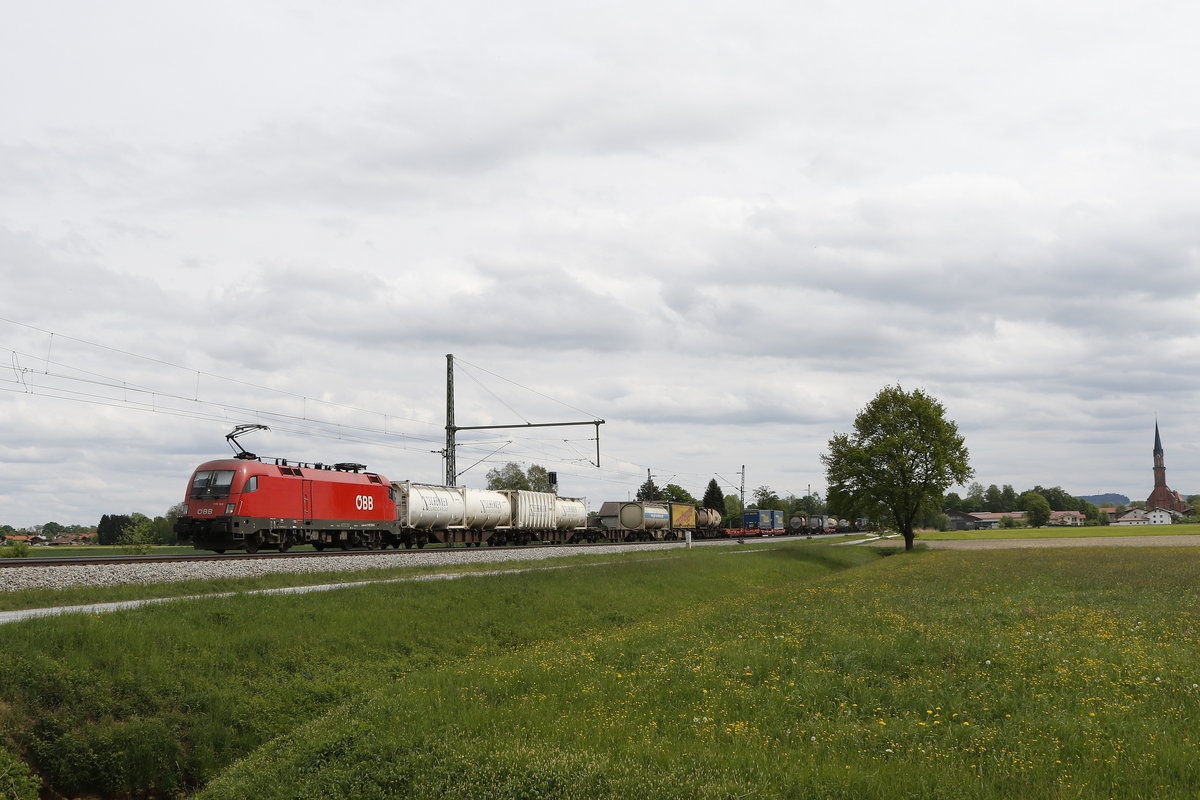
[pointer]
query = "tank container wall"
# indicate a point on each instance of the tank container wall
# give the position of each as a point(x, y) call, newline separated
point(708, 518)
point(534, 511)
point(570, 512)
point(631, 517)
point(431, 507)
point(655, 516)
point(485, 510)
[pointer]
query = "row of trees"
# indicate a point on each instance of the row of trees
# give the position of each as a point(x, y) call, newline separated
point(49, 529)
point(139, 529)
point(124, 529)
point(999, 499)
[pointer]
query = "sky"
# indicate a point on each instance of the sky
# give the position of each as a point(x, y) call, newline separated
point(721, 228)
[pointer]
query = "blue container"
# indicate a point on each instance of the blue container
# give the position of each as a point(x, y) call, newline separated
point(777, 521)
point(757, 519)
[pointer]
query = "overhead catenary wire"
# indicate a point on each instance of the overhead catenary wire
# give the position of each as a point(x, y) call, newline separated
point(65, 381)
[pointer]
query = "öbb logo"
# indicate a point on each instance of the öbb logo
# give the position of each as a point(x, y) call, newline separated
point(364, 502)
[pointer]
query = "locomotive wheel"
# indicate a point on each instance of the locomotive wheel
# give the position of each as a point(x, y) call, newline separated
point(251, 544)
point(222, 550)
point(318, 546)
point(344, 544)
point(284, 546)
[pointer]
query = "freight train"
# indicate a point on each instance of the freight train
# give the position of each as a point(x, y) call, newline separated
point(249, 503)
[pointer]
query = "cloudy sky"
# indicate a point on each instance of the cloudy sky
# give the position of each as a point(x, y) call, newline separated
point(720, 227)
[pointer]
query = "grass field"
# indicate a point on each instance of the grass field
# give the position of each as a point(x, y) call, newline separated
point(769, 670)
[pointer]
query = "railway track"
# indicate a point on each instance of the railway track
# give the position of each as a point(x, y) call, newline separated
point(68, 561)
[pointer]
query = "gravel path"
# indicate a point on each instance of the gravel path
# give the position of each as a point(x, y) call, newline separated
point(1162, 540)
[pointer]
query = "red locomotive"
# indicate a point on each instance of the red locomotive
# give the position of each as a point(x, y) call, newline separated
point(243, 502)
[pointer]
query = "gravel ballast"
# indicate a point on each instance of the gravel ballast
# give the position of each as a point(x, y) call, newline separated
point(14, 579)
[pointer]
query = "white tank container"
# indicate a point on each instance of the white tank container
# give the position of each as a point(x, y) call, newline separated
point(533, 510)
point(644, 516)
point(570, 512)
point(485, 510)
point(429, 507)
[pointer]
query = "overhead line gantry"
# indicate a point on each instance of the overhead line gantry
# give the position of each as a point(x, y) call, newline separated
point(452, 429)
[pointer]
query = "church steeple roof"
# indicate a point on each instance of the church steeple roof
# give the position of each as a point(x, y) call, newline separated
point(1157, 440)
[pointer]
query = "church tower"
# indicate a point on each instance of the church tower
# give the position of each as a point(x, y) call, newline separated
point(1162, 496)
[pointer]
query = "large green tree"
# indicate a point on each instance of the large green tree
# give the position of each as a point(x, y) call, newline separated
point(900, 459)
point(1037, 509)
point(677, 494)
point(765, 497)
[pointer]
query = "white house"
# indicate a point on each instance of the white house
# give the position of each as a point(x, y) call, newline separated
point(1134, 516)
point(1160, 516)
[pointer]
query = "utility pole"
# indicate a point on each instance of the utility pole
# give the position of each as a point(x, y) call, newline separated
point(743, 485)
point(451, 467)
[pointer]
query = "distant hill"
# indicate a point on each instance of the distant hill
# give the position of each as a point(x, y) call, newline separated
point(1110, 499)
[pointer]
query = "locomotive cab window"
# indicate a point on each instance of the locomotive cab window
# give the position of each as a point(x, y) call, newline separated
point(211, 484)
point(251, 485)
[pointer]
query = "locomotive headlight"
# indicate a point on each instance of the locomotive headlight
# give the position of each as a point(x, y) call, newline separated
point(230, 508)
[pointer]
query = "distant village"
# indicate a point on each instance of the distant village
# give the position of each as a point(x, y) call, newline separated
point(1164, 506)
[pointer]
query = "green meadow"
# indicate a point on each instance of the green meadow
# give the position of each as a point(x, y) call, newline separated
point(769, 670)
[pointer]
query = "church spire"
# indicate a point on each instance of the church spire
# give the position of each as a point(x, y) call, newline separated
point(1157, 440)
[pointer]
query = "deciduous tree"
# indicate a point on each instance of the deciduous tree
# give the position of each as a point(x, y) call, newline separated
point(677, 494)
point(511, 476)
point(1037, 509)
point(901, 458)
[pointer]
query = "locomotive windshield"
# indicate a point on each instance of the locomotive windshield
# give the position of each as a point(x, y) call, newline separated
point(211, 484)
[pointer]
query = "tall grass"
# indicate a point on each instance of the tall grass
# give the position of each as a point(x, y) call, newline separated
point(945, 675)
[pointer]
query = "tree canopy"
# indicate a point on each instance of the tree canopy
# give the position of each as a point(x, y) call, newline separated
point(713, 496)
point(649, 490)
point(1037, 509)
point(677, 494)
point(898, 462)
point(765, 497)
point(511, 476)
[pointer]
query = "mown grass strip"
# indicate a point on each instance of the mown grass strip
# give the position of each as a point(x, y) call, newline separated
point(86, 595)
